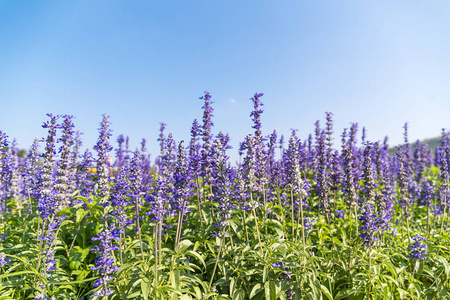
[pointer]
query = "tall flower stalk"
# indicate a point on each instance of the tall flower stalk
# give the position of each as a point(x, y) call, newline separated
point(103, 147)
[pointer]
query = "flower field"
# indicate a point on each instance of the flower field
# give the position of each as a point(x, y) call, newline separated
point(296, 219)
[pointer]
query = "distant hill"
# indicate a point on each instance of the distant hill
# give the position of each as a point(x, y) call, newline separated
point(433, 143)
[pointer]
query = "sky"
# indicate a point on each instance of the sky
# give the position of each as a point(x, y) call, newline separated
point(378, 63)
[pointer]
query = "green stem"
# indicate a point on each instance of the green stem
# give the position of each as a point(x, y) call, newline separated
point(217, 259)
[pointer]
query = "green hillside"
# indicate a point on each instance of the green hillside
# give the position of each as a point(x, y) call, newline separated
point(433, 143)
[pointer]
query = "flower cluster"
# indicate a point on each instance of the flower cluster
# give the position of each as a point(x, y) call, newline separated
point(105, 260)
point(418, 249)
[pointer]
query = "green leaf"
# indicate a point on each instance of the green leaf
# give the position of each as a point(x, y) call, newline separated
point(198, 256)
point(184, 244)
point(326, 292)
point(145, 287)
point(265, 274)
point(446, 265)
point(269, 288)
point(176, 279)
point(256, 290)
point(81, 213)
point(77, 256)
point(16, 274)
point(232, 282)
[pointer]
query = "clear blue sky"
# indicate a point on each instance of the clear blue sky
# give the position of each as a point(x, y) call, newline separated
point(378, 63)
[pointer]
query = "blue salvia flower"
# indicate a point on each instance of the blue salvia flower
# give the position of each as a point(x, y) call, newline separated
point(385, 202)
point(259, 151)
point(49, 262)
point(308, 223)
point(256, 114)
point(281, 144)
point(49, 236)
point(15, 180)
point(336, 173)
point(126, 158)
point(250, 163)
point(119, 199)
point(352, 141)
point(3, 259)
point(350, 190)
point(162, 144)
point(291, 161)
point(207, 121)
point(159, 199)
point(222, 189)
point(195, 161)
point(103, 148)
point(285, 271)
point(240, 190)
point(270, 156)
point(162, 138)
point(46, 200)
point(105, 261)
point(437, 210)
point(207, 136)
point(64, 165)
point(385, 210)
point(309, 152)
point(369, 225)
point(369, 180)
point(290, 293)
point(418, 249)
point(427, 200)
point(77, 143)
point(83, 180)
point(322, 179)
point(119, 152)
point(329, 131)
point(7, 171)
point(217, 156)
point(406, 147)
point(169, 157)
point(241, 151)
point(135, 176)
point(445, 144)
point(146, 168)
point(444, 174)
point(363, 136)
point(339, 214)
point(421, 160)
point(427, 194)
point(183, 184)
point(404, 180)
point(381, 162)
point(4, 174)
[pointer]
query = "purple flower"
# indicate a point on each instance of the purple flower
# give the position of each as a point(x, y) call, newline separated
point(340, 214)
point(308, 221)
point(64, 170)
point(105, 260)
point(83, 180)
point(369, 222)
point(256, 114)
point(103, 148)
point(286, 271)
point(418, 249)
point(46, 200)
point(3, 259)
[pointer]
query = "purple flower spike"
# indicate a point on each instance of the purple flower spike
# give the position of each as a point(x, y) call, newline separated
point(418, 249)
